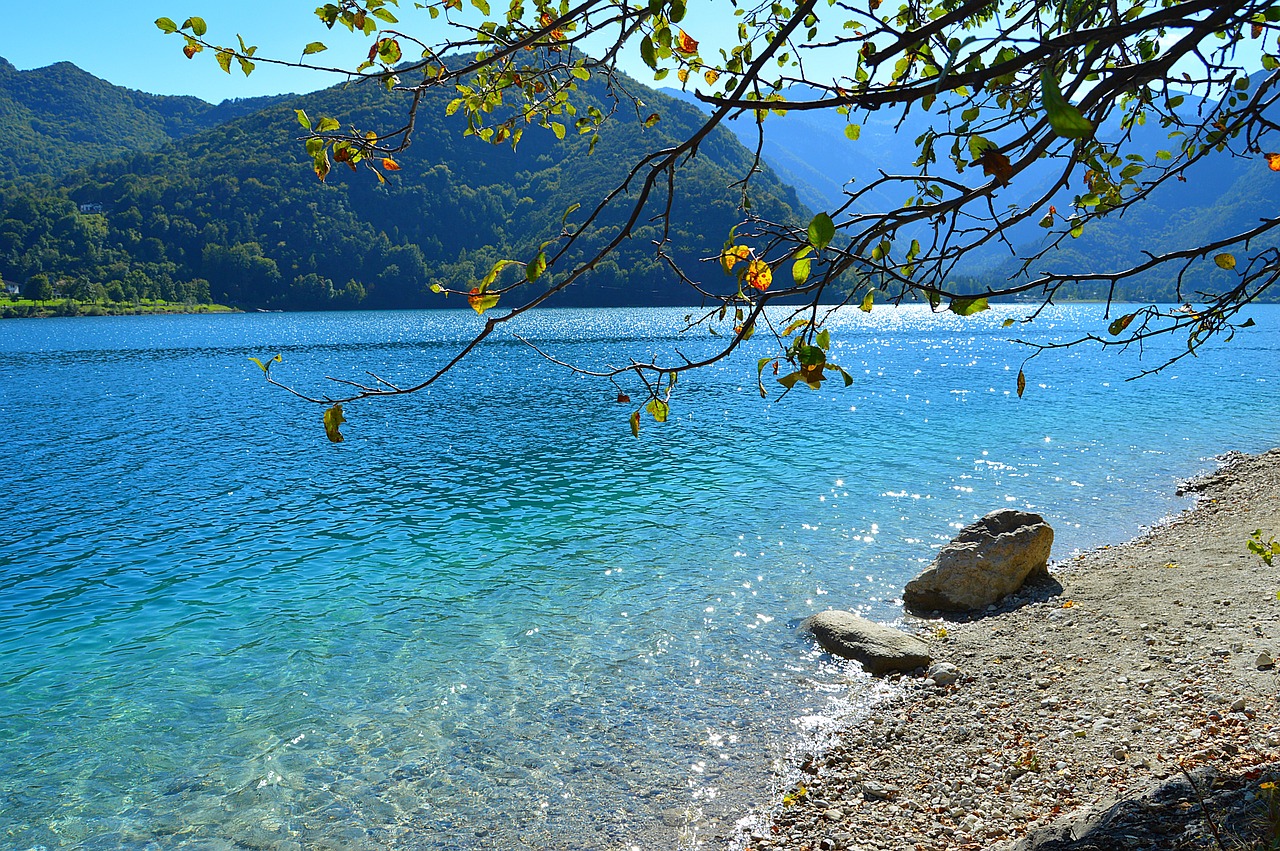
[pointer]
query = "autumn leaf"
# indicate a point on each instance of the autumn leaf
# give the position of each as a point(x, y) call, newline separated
point(1022, 383)
point(995, 164)
point(1116, 328)
point(623, 399)
point(730, 257)
point(191, 50)
point(333, 418)
point(759, 275)
point(635, 423)
point(1225, 261)
point(390, 164)
point(658, 409)
point(480, 300)
point(683, 75)
point(1273, 161)
point(686, 44)
point(711, 75)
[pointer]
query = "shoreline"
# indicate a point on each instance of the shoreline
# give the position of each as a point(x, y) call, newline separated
point(1081, 703)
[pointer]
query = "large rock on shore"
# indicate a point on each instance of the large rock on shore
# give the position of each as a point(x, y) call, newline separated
point(988, 560)
point(879, 648)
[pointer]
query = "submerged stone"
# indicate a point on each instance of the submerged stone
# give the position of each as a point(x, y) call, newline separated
point(881, 649)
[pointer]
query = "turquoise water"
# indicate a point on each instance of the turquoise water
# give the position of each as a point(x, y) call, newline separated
point(492, 618)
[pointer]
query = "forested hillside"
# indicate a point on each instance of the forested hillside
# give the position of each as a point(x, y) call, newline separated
point(239, 207)
point(59, 118)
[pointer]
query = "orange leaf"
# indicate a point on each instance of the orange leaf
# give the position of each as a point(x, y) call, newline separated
point(1273, 161)
point(759, 275)
point(686, 44)
point(995, 164)
point(190, 50)
point(390, 164)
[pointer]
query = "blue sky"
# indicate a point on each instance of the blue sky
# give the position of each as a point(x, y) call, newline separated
point(119, 42)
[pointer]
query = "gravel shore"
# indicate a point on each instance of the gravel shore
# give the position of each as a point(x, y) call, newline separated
point(1129, 704)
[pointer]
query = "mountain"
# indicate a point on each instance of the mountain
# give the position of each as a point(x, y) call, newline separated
point(1222, 195)
point(237, 209)
point(60, 118)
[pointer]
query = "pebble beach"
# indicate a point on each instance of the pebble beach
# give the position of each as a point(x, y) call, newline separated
point(1130, 703)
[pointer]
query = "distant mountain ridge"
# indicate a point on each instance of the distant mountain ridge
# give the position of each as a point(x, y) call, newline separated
point(1222, 195)
point(59, 118)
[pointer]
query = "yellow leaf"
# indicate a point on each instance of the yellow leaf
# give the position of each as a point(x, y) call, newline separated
point(333, 418)
point(759, 275)
point(730, 257)
point(1273, 161)
point(1225, 261)
point(683, 75)
point(711, 76)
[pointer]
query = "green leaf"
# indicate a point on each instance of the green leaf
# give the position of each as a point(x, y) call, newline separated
point(800, 270)
point(333, 418)
point(1077, 229)
point(558, 129)
point(1225, 261)
point(267, 366)
point(581, 73)
point(246, 66)
point(1007, 322)
point(385, 15)
point(328, 125)
point(224, 60)
point(303, 119)
point(853, 131)
point(789, 380)
point(166, 25)
point(821, 231)
point(313, 47)
point(968, 306)
point(1065, 119)
point(534, 270)
point(824, 339)
point(1117, 327)
point(635, 423)
point(658, 409)
point(647, 53)
point(867, 301)
point(196, 25)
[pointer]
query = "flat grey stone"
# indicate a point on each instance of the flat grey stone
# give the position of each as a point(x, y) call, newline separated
point(881, 649)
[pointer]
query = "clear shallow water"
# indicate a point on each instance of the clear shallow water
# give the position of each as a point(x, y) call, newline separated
point(492, 618)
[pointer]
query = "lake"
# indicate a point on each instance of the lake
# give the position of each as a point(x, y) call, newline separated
point(492, 618)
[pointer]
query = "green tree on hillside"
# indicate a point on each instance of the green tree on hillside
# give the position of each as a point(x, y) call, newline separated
point(38, 288)
point(1008, 88)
